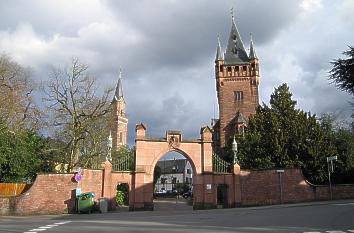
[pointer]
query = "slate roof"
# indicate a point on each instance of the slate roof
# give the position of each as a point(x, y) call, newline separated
point(219, 54)
point(119, 88)
point(235, 51)
point(172, 166)
point(253, 54)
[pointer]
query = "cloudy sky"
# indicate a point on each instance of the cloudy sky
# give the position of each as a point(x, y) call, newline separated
point(166, 49)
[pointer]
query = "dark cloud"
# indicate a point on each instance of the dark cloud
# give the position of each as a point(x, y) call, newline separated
point(166, 49)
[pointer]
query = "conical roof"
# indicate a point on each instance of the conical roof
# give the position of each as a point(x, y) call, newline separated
point(253, 54)
point(235, 51)
point(119, 89)
point(219, 55)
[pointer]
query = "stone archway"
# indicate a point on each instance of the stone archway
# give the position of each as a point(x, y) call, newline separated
point(150, 150)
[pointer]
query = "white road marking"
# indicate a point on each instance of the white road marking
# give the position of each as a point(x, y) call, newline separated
point(341, 204)
point(350, 230)
point(335, 231)
point(49, 226)
point(312, 232)
point(60, 223)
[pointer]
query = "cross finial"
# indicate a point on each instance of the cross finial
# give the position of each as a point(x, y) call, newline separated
point(120, 72)
point(232, 13)
point(251, 36)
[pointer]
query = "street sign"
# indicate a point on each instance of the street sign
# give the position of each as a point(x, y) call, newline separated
point(331, 158)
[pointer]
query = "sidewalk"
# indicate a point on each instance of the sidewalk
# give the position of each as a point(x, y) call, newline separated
point(172, 204)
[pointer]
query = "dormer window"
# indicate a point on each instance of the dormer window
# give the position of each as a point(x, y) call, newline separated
point(234, 38)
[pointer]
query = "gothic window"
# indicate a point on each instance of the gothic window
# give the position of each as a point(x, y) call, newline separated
point(234, 38)
point(238, 95)
point(229, 69)
point(120, 137)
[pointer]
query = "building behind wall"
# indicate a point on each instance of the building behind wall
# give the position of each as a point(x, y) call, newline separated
point(237, 80)
point(174, 172)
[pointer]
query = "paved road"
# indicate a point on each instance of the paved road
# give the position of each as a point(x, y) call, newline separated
point(329, 217)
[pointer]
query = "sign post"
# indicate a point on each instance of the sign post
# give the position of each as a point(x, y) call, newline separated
point(330, 170)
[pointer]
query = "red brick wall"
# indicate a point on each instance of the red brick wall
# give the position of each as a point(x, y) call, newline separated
point(92, 181)
point(50, 194)
point(54, 193)
point(263, 187)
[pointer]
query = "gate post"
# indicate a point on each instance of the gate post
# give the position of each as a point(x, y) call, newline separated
point(207, 150)
point(236, 170)
point(107, 184)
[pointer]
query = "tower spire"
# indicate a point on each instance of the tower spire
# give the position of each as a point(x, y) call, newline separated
point(235, 51)
point(119, 89)
point(253, 54)
point(219, 55)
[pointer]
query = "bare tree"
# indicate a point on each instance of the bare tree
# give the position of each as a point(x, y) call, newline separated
point(17, 107)
point(75, 108)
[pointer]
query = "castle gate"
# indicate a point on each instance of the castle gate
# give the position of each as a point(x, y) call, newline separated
point(200, 155)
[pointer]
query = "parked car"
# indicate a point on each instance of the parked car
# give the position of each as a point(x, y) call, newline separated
point(188, 194)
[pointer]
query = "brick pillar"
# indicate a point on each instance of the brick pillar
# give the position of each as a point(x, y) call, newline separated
point(141, 194)
point(237, 184)
point(206, 150)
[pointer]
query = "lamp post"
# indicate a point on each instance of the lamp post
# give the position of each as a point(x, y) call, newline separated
point(330, 170)
point(109, 145)
point(280, 172)
point(234, 150)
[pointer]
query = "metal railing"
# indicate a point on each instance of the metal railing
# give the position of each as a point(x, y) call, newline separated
point(220, 165)
point(124, 163)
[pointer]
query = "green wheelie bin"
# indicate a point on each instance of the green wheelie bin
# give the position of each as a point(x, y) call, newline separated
point(85, 202)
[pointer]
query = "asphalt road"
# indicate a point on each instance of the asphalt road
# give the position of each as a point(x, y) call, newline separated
point(330, 217)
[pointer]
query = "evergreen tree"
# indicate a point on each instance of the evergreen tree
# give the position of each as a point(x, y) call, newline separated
point(282, 136)
point(342, 73)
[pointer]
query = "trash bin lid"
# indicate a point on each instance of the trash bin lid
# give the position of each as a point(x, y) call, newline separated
point(88, 194)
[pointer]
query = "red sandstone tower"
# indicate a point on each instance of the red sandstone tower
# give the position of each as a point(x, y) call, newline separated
point(120, 121)
point(237, 80)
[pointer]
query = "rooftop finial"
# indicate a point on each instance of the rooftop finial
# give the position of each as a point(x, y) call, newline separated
point(232, 13)
point(120, 72)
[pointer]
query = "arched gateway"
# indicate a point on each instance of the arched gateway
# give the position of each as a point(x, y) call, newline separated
point(200, 155)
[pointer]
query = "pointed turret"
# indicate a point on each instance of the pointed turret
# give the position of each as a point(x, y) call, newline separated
point(119, 125)
point(235, 51)
point(119, 89)
point(253, 54)
point(219, 54)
